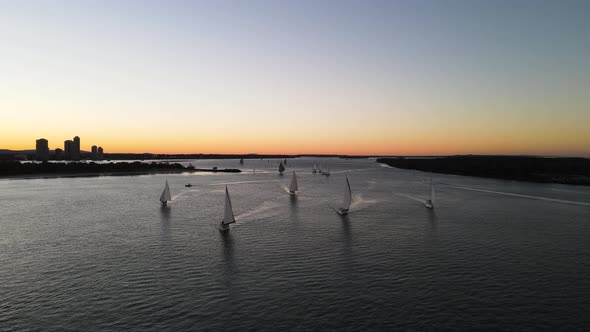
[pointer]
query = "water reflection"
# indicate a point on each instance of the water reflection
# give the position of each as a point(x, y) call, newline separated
point(229, 269)
point(431, 230)
point(347, 244)
point(293, 207)
point(165, 222)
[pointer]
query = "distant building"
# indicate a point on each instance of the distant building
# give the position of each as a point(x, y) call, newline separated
point(59, 154)
point(68, 147)
point(94, 152)
point(42, 149)
point(76, 149)
point(99, 153)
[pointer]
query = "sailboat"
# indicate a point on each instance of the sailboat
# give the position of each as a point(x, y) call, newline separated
point(241, 161)
point(228, 214)
point(315, 168)
point(293, 186)
point(281, 168)
point(430, 203)
point(326, 172)
point(343, 210)
point(165, 197)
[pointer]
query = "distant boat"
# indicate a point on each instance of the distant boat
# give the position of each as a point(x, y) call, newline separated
point(430, 203)
point(188, 185)
point(343, 210)
point(326, 172)
point(242, 161)
point(165, 197)
point(281, 168)
point(285, 161)
point(293, 188)
point(315, 168)
point(228, 214)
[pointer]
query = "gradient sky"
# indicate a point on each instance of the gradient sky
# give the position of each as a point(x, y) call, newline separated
point(349, 77)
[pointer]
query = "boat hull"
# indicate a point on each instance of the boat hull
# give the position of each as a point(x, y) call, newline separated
point(292, 193)
point(223, 227)
point(164, 203)
point(342, 212)
point(429, 205)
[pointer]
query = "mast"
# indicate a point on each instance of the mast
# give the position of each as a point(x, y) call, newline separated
point(228, 213)
point(165, 196)
point(293, 187)
point(347, 196)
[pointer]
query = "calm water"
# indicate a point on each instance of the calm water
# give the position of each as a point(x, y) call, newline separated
point(101, 254)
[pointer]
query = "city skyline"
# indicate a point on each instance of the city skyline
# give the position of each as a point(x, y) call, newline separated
point(336, 77)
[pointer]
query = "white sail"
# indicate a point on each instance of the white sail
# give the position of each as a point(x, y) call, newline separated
point(228, 213)
point(347, 196)
point(315, 167)
point(165, 197)
point(293, 187)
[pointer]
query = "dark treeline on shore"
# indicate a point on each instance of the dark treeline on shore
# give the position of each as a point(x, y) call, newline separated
point(85, 155)
point(16, 168)
point(534, 169)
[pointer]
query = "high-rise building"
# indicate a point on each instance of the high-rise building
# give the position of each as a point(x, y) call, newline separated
point(59, 154)
point(94, 152)
point(42, 149)
point(99, 152)
point(76, 149)
point(68, 147)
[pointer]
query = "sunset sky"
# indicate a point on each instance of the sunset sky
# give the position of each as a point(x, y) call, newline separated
point(347, 77)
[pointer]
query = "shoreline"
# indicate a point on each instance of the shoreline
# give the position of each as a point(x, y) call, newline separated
point(17, 170)
point(99, 174)
point(567, 171)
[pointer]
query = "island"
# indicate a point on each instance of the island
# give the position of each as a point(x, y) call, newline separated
point(72, 169)
point(574, 171)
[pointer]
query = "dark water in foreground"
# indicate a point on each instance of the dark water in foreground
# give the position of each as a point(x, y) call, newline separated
point(101, 254)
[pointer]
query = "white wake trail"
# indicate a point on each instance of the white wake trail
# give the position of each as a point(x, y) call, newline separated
point(548, 199)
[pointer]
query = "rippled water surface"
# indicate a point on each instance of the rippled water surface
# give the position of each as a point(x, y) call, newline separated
point(99, 253)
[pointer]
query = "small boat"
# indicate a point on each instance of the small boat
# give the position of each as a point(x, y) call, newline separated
point(293, 188)
point(326, 172)
point(430, 203)
point(228, 214)
point(315, 168)
point(188, 185)
point(281, 168)
point(165, 196)
point(242, 161)
point(343, 210)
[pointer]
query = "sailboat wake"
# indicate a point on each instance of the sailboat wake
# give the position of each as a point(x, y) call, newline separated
point(285, 188)
point(175, 197)
point(359, 203)
point(241, 182)
point(523, 196)
point(412, 197)
point(265, 210)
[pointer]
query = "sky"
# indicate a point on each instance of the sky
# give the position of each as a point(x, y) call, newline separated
point(298, 77)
